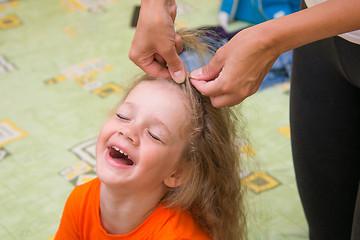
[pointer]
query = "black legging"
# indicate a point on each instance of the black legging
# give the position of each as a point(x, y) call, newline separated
point(325, 130)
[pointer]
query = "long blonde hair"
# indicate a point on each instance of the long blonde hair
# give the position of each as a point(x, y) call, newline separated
point(212, 191)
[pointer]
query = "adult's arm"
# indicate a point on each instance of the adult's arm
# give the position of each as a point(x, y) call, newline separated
point(238, 68)
point(155, 44)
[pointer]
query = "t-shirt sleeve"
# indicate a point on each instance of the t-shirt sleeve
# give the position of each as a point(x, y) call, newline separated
point(68, 228)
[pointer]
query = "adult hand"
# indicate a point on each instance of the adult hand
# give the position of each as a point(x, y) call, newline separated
point(237, 69)
point(155, 44)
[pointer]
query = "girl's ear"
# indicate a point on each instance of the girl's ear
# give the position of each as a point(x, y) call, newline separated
point(175, 179)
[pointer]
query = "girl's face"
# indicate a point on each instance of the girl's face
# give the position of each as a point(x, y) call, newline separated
point(139, 147)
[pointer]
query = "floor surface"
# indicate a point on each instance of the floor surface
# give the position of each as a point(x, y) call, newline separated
point(63, 65)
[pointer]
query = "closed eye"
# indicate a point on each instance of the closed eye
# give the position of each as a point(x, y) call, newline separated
point(121, 116)
point(154, 136)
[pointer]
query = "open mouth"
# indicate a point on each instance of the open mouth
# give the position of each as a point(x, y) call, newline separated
point(119, 156)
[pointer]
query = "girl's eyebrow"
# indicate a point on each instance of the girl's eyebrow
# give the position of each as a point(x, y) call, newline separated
point(129, 104)
point(157, 121)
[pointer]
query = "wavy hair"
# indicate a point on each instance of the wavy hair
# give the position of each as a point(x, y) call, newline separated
point(211, 190)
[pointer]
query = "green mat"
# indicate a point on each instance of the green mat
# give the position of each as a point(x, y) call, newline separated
point(63, 65)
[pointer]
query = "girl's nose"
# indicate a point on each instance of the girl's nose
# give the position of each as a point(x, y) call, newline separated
point(130, 134)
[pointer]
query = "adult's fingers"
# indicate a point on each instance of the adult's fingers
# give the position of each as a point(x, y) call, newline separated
point(172, 9)
point(225, 100)
point(178, 43)
point(211, 70)
point(207, 88)
point(227, 89)
point(160, 60)
point(156, 68)
point(175, 66)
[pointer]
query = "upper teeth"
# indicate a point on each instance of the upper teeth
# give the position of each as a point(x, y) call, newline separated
point(119, 150)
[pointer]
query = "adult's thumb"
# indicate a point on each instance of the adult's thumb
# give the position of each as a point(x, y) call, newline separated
point(208, 72)
point(177, 70)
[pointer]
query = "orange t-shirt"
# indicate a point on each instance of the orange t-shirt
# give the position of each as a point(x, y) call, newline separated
point(81, 220)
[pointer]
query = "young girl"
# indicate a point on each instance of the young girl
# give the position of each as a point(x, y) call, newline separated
point(167, 167)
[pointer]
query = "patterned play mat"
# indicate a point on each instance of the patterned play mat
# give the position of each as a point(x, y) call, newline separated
point(63, 65)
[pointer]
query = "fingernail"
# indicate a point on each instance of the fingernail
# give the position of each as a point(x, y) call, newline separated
point(196, 73)
point(179, 76)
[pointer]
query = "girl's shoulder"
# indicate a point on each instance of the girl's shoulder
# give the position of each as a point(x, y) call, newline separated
point(91, 184)
point(179, 225)
point(81, 212)
point(82, 191)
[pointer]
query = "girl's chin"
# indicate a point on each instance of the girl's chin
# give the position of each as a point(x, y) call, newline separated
point(110, 178)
